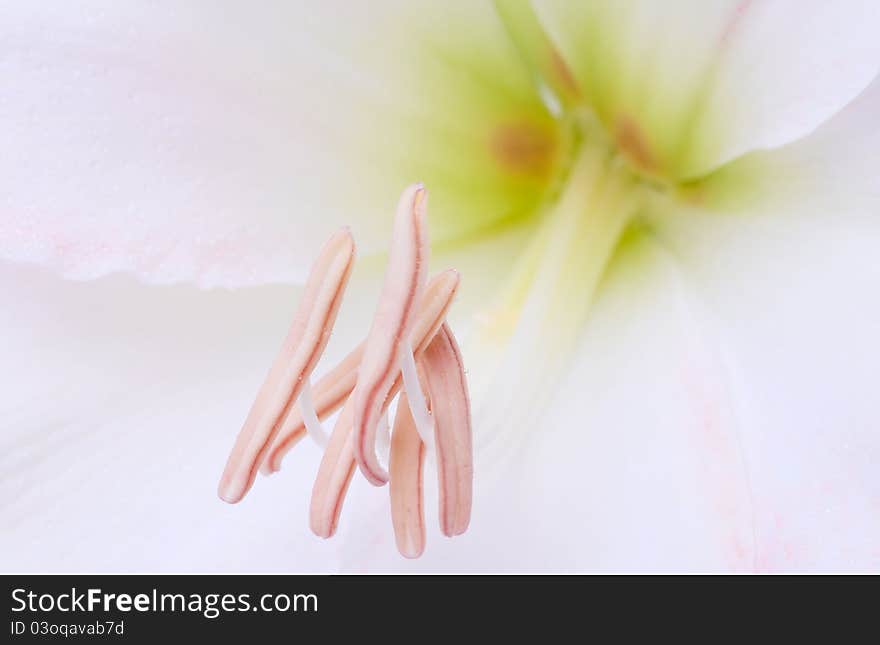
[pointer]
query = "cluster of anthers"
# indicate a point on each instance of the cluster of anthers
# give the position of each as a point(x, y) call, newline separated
point(410, 350)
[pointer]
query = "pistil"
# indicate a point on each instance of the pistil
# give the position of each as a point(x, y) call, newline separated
point(529, 333)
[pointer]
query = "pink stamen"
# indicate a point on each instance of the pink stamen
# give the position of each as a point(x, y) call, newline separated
point(334, 476)
point(392, 324)
point(299, 355)
point(450, 404)
point(333, 389)
point(406, 467)
point(410, 318)
point(328, 493)
point(330, 393)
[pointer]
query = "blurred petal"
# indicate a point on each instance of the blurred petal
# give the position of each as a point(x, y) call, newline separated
point(687, 86)
point(119, 404)
point(214, 143)
point(798, 302)
point(753, 440)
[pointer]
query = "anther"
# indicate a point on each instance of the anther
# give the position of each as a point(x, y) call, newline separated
point(331, 484)
point(410, 351)
point(334, 475)
point(330, 393)
point(299, 355)
point(406, 467)
point(447, 388)
point(404, 284)
point(334, 388)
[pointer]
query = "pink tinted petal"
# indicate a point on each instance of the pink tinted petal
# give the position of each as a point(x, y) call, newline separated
point(299, 354)
point(199, 141)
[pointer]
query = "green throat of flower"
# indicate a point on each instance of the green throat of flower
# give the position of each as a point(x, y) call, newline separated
point(603, 182)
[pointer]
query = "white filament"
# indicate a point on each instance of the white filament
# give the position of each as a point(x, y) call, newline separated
point(422, 418)
point(310, 417)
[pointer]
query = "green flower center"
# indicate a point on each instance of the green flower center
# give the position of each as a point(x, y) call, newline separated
point(603, 181)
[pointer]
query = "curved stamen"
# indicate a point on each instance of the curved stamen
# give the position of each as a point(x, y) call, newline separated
point(330, 393)
point(450, 404)
point(330, 487)
point(367, 380)
point(334, 476)
point(299, 355)
point(395, 315)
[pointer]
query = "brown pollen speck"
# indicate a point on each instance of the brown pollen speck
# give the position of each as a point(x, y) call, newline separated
point(633, 145)
point(562, 73)
point(523, 148)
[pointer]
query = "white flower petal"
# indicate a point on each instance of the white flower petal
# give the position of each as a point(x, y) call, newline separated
point(120, 404)
point(484, 262)
point(751, 443)
point(788, 67)
point(687, 86)
point(798, 302)
point(218, 143)
point(831, 177)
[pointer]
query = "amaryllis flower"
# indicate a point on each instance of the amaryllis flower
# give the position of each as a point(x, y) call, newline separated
point(665, 221)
